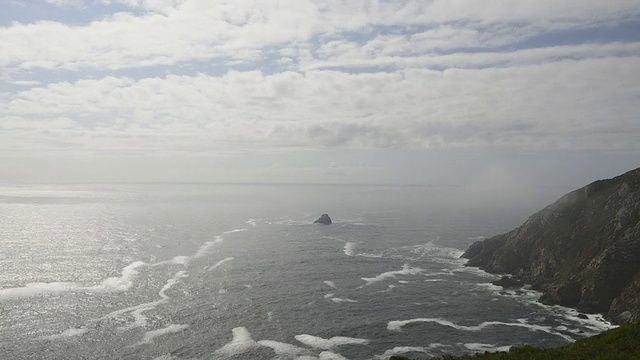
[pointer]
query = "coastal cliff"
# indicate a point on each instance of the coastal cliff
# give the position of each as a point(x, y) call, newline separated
point(583, 251)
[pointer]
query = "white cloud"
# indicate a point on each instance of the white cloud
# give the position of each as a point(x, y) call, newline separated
point(566, 104)
point(162, 6)
point(63, 3)
point(354, 76)
point(349, 55)
point(174, 31)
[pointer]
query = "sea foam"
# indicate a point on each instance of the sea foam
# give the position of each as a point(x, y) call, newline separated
point(330, 284)
point(137, 311)
point(111, 284)
point(406, 270)
point(328, 344)
point(218, 264)
point(339, 300)
point(35, 289)
point(399, 350)
point(149, 336)
point(235, 231)
point(349, 248)
point(397, 326)
point(73, 332)
point(241, 343)
point(486, 347)
point(328, 355)
point(206, 248)
point(284, 349)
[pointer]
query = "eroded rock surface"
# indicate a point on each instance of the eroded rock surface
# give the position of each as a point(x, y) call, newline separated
point(582, 251)
point(324, 219)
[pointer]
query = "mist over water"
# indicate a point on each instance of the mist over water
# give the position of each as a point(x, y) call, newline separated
point(175, 271)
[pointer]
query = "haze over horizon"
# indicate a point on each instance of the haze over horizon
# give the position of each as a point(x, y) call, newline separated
point(491, 95)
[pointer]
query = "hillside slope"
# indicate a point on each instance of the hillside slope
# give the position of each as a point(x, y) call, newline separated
point(582, 251)
point(618, 344)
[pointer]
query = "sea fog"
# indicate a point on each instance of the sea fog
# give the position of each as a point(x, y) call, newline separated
point(224, 271)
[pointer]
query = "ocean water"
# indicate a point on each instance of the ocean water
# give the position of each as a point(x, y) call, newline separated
point(214, 271)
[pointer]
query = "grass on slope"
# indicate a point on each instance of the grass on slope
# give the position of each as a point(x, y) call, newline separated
point(618, 344)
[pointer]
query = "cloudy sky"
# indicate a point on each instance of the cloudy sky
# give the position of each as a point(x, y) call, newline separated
point(327, 91)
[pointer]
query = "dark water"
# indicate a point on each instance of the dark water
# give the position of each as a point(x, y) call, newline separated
point(240, 272)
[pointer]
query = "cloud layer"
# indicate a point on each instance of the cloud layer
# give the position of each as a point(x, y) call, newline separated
point(195, 76)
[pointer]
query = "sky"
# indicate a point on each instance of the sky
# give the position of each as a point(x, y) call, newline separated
point(437, 92)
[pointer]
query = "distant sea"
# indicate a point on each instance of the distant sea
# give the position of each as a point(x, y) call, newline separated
point(215, 271)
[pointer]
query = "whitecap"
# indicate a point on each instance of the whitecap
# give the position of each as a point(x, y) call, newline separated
point(139, 320)
point(205, 249)
point(66, 334)
point(348, 248)
point(326, 296)
point(111, 284)
point(240, 344)
point(330, 284)
point(438, 253)
point(328, 355)
point(328, 344)
point(121, 283)
point(218, 264)
point(486, 347)
point(389, 288)
point(235, 231)
point(397, 326)
point(284, 349)
point(474, 271)
point(399, 350)
point(169, 284)
point(594, 324)
point(137, 311)
point(252, 222)
point(35, 289)
point(339, 300)
point(176, 260)
point(406, 270)
point(444, 272)
point(377, 256)
point(149, 336)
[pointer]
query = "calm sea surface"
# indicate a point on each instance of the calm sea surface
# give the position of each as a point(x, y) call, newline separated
point(175, 271)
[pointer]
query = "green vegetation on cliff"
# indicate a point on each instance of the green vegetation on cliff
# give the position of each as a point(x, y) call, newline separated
point(582, 251)
point(618, 344)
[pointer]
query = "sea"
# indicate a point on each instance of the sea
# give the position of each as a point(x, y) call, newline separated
point(240, 271)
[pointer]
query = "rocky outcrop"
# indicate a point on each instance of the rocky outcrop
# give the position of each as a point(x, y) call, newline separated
point(582, 251)
point(323, 219)
point(508, 282)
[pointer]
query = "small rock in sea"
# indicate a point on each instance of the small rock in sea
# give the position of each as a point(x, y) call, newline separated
point(582, 316)
point(324, 219)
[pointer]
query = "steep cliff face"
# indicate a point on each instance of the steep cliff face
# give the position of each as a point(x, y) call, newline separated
point(582, 251)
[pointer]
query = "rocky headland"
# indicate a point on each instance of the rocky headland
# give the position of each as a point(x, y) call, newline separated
point(582, 251)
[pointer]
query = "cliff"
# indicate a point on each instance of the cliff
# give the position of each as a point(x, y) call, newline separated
point(583, 251)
